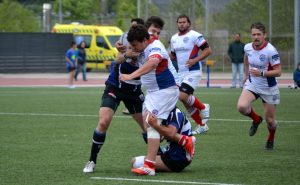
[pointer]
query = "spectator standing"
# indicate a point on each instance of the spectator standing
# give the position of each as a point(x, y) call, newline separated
point(236, 54)
point(71, 61)
point(81, 59)
point(296, 76)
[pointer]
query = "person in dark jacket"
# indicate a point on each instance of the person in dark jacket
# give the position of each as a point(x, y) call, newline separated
point(236, 54)
point(81, 59)
point(297, 76)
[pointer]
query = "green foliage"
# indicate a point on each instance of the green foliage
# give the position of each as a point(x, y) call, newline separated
point(127, 9)
point(49, 141)
point(79, 10)
point(240, 14)
point(16, 18)
point(178, 7)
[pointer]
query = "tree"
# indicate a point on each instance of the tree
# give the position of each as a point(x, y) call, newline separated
point(240, 14)
point(15, 18)
point(127, 9)
point(78, 10)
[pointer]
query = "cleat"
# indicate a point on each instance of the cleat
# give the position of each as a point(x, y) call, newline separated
point(269, 145)
point(200, 129)
point(143, 171)
point(89, 167)
point(190, 147)
point(205, 114)
point(126, 112)
point(254, 127)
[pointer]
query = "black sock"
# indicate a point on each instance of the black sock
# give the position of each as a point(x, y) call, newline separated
point(98, 141)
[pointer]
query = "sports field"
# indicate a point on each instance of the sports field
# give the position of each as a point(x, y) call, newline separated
point(45, 138)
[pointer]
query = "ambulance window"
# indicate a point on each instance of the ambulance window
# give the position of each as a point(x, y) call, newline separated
point(101, 42)
point(113, 39)
point(86, 38)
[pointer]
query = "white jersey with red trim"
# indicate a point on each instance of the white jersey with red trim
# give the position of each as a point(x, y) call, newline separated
point(161, 77)
point(187, 47)
point(263, 59)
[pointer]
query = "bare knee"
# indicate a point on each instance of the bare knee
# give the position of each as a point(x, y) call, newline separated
point(103, 125)
point(243, 108)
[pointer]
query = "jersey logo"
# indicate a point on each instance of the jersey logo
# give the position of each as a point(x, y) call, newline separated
point(190, 79)
point(154, 49)
point(155, 112)
point(200, 38)
point(185, 39)
point(275, 57)
point(262, 57)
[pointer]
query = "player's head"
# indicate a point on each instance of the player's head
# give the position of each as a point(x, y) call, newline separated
point(154, 25)
point(138, 37)
point(136, 21)
point(183, 23)
point(258, 34)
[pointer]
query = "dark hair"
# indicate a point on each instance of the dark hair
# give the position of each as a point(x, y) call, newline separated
point(73, 43)
point(138, 21)
point(156, 21)
point(259, 26)
point(184, 16)
point(137, 33)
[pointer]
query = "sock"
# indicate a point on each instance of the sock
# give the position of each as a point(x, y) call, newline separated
point(194, 102)
point(98, 141)
point(195, 114)
point(182, 140)
point(272, 130)
point(149, 164)
point(255, 117)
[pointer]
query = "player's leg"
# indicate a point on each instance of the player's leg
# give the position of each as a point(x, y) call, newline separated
point(270, 111)
point(108, 107)
point(244, 107)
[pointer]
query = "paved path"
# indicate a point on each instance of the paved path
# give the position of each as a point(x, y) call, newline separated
point(98, 79)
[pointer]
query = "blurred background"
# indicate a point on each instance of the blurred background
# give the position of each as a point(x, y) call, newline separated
point(217, 20)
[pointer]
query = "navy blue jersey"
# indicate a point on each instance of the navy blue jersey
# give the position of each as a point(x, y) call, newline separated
point(123, 68)
point(179, 120)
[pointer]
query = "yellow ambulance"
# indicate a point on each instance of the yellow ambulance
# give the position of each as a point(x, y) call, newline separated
point(100, 42)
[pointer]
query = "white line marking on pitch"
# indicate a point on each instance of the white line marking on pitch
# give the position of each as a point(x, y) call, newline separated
point(116, 116)
point(158, 181)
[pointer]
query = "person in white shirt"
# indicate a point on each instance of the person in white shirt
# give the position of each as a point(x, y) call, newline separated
point(185, 47)
point(262, 65)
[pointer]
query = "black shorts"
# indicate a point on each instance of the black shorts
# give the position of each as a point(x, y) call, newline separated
point(133, 100)
point(186, 88)
point(175, 166)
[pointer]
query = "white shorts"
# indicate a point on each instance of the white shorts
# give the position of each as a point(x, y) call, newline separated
point(191, 78)
point(270, 95)
point(161, 102)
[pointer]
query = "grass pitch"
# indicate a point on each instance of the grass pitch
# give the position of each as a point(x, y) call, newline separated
point(45, 138)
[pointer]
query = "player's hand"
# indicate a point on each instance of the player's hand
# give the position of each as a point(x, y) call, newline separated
point(120, 47)
point(190, 63)
point(255, 72)
point(125, 77)
point(151, 119)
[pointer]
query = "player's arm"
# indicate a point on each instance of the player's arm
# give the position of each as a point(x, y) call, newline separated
point(168, 131)
point(120, 58)
point(172, 56)
point(151, 64)
point(206, 51)
point(275, 72)
point(246, 68)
